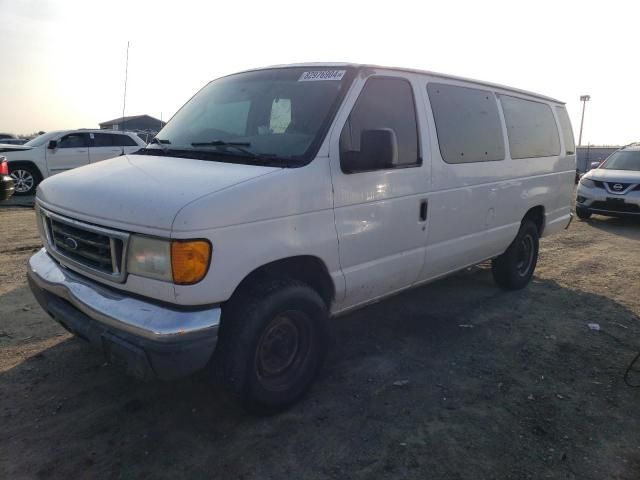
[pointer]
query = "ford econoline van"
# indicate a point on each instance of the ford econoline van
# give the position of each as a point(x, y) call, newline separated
point(280, 197)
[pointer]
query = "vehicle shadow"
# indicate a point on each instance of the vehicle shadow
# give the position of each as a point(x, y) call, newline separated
point(625, 227)
point(412, 385)
point(19, 201)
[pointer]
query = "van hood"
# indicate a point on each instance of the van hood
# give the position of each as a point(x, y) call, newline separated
point(140, 193)
point(7, 147)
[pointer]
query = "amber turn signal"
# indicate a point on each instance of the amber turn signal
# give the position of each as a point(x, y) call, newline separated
point(189, 260)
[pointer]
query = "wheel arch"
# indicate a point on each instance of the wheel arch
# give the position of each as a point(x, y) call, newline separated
point(308, 269)
point(536, 215)
point(26, 163)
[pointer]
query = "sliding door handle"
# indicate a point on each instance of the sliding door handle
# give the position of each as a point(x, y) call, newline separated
point(424, 209)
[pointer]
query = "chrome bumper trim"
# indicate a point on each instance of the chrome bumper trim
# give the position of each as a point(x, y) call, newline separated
point(116, 309)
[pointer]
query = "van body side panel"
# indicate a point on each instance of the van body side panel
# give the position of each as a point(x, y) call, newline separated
point(558, 218)
point(377, 217)
point(476, 208)
point(467, 203)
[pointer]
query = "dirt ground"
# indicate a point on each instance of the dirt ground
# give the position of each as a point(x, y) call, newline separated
point(454, 380)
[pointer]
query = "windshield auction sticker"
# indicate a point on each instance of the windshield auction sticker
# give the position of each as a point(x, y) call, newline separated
point(321, 75)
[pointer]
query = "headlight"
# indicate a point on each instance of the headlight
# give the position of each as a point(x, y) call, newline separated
point(587, 182)
point(149, 257)
point(182, 261)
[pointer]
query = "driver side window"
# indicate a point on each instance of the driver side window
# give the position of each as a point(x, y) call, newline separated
point(384, 103)
point(74, 140)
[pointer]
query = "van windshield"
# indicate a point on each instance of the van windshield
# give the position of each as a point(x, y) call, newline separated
point(263, 116)
point(623, 160)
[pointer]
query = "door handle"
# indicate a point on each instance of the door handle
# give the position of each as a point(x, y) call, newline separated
point(424, 209)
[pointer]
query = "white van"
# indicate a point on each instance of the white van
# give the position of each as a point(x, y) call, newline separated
point(277, 198)
point(55, 152)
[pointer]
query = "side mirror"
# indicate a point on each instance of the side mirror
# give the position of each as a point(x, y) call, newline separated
point(52, 145)
point(595, 164)
point(378, 151)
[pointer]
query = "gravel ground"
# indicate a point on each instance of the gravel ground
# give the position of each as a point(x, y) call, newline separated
point(454, 380)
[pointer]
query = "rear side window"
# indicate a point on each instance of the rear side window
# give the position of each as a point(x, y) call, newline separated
point(531, 128)
point(567, 132)
point(74, 140)
point(467, 123)
point(102, 139)
point(384, 103)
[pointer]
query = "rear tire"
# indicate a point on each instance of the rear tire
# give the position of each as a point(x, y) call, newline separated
point(583, 213)
point(25, 177)
point(514, 268)
point(272, 343)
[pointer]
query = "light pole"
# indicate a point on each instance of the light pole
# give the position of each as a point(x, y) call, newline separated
point(584, 99)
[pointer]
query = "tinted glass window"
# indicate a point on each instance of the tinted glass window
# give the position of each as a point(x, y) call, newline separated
point(102, 140)
point(73, 140)
point(531, 128)
point(567, 132)
point(384, 103)
point(467, 123)
point(124, 140)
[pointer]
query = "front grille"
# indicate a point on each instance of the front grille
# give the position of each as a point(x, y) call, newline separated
point(598, 183)
point(615, 206)
point(623, 188)
point(89, 247)
point(86, 247)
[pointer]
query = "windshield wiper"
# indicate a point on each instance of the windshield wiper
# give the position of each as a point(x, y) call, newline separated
point(220, 143)
point(236, 146)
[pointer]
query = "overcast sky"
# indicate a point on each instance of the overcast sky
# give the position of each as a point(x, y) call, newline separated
point(62, 61)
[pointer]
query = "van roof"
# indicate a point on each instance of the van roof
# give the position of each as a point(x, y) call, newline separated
point(412, 70)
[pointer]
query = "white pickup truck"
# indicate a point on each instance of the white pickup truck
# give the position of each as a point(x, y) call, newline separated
point(279, 197)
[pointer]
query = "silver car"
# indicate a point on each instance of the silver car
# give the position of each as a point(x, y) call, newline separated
point(613, 188)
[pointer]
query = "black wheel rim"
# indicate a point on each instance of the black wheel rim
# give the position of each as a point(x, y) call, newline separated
point(283, 350)
point(525, 255)
point(23, 180)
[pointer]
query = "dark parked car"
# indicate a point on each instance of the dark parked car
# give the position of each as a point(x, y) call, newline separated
point(10, 139)
point(7, 187)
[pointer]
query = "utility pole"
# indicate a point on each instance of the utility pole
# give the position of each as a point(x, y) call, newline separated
point(584, 99)
point(124, 95)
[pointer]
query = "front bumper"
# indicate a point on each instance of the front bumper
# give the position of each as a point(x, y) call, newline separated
point(599, 201)
point(150, 340)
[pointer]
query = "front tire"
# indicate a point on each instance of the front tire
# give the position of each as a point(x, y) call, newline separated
point(25, 178)
point(272, 343)
point(514, 268)
point(583, 213)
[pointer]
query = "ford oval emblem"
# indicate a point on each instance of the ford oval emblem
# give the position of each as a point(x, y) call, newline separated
point(617, 187)
point(71, 243)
